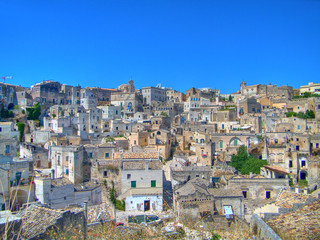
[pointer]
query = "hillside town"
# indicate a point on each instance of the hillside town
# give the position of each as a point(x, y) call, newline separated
point(94, 162)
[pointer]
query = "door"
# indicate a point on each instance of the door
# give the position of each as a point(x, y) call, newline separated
point(147, 205)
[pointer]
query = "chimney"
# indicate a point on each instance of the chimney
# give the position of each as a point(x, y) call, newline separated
point(147, 165)
point(52, 173)
point(306, 190)
point(297, 189)
point(251, 175)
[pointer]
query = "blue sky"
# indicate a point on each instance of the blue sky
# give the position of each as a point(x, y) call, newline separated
point(180, 44)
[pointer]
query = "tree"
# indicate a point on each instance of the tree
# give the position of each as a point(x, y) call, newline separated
point(245, 163)
point(230, 98)
point(34, 112)
point(164, 114)
point(21, 126)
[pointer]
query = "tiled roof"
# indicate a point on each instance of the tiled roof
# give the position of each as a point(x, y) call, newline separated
point(37, 219)
point(57, 182)
point(140, 165)
point(220, 192)
point(6, 123)
point(277, 169)
point(141, 155)
point(86, 186)
point(286, 199)
point(195, 184)
point(304, 223)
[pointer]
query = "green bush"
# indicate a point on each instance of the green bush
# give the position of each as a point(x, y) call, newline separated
point(120, 205)
point(309, 114)
point(34, 112)
point(21, 126)
point(245, 163)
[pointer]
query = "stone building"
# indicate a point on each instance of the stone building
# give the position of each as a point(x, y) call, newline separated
point(139, 138)
point(127, 88)
point(249, 105)
point(175, 96)
point(193, 199)
point(170, 109)
point(71, 94)
point(8, 130)
point(141, 181)
point(8, 94)
point(47, 92)
point(88, 100)
point(24, 98)
point(181, 174)
point(36, 152)
point(15, 178)
point(153, 94)
point(269, 90)
point(313, 88)
point(130, 102)
point(68, 161)
point(195, 103)
point(110, 112)
point(102, 94)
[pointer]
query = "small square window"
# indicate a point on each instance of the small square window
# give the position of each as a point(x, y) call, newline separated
point(153, 183)
point(128, 176)
point(106, 155)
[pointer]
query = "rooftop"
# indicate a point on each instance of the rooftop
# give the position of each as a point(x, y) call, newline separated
point(140, 155)
point(304, 223)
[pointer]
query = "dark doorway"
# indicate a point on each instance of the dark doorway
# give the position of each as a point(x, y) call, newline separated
point(303, 175)
point(147, 205)
point(268, 195)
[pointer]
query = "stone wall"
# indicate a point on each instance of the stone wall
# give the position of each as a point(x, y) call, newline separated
point(261, 229)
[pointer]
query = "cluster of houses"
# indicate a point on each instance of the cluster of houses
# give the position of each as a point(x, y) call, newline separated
point(154, 142)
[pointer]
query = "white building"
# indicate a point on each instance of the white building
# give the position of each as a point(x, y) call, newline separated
point(194, 103)
point(142, 181)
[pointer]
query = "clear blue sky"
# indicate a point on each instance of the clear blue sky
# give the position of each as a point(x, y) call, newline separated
point(180, 44)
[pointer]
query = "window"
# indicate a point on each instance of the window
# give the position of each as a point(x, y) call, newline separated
point(105, 173)
point(106, 155)
point(67, 158)
point(268, 195)
point(0, 129)
point(67, 171)
point(290, 164)
point(135, 142)
point(244, 193)
point(133, 184)
point(221, 144)
point(303, 163)
point(297, 147)
point(90, 154)
point(222, 126)
point(128, 176)
point(7, 149)
point(58, 161)
point(236, 142)
point(153, 183)
point(298, 127)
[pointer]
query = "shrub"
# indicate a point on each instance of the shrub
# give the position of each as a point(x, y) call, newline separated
point(21, 126)
point(34, 112)
point(246, 163)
